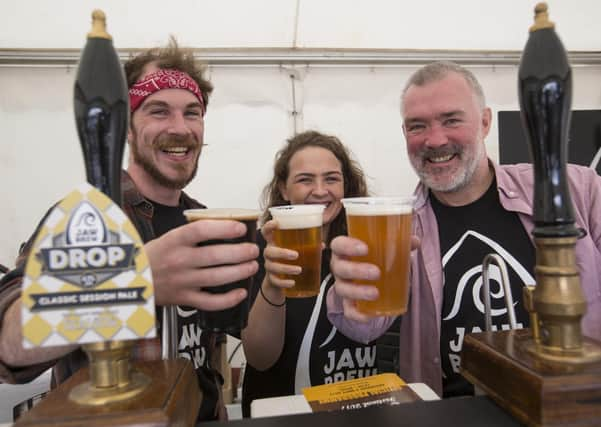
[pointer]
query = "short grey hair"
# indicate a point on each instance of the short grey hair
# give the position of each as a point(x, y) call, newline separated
point(439, 70)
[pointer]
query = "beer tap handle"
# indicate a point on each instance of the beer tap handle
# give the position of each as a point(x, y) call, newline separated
point(101, 109)
point(545, 94)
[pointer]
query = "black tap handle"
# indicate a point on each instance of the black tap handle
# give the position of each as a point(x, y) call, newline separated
point(101, 110)
point(545, 93)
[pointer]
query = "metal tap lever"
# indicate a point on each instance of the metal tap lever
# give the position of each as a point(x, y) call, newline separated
point(169, 333)
point(496, 259)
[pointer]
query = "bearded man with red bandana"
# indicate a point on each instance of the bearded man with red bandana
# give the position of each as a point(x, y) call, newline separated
point(168, 99)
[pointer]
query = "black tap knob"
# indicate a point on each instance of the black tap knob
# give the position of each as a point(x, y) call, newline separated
point(545, 93)
point(101, 109)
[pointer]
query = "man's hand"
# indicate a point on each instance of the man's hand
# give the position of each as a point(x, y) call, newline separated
point(352, 278)
point(181, 269)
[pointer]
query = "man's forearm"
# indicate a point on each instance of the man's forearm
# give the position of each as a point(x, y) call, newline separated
point(352, 329)
point(12, 352)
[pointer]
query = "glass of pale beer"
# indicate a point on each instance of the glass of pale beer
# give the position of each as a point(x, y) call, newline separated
point(299, 229)
point(384, 224)
point(231, 320)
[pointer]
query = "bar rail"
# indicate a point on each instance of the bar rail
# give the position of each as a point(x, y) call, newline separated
point(299, 56)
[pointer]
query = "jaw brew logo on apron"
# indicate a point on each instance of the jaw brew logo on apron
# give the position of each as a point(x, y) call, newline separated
point(88, 278)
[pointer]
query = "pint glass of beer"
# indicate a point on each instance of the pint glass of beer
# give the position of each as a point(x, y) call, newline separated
point(231, 320)
point(299, 229)
point(384, 224)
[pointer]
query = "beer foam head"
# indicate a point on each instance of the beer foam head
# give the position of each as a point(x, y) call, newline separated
point(236, 214)
point(369, 206)
point(298, 216)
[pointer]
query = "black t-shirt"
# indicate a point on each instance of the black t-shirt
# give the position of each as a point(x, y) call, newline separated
point(467, 234)
point(314, 351)
point(166, 218)
point(194, 344)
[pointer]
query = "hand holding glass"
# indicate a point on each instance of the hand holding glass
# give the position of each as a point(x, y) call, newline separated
point(231, 320)
point(299, 229)
point(384, 224)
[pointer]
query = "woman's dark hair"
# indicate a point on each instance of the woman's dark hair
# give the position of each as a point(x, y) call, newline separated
point(354, 179)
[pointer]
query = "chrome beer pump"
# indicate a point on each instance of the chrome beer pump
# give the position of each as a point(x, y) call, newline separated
point(550, 374)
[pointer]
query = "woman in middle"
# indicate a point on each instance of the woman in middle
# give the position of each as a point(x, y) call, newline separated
point(289, 343)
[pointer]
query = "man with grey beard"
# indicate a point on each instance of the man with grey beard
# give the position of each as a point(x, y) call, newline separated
point(168, 99)
point(466, 207)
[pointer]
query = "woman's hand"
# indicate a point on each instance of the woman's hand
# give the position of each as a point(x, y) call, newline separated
point(279, 267)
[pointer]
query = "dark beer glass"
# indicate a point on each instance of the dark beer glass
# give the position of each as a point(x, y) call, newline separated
point(231, 320)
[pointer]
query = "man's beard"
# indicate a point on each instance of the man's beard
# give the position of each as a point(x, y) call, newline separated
point(163, 142)
point(460, 178)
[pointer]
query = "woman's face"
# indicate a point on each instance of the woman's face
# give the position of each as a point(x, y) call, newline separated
point(315, 177)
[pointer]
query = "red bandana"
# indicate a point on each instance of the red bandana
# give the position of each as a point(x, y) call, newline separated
point(162, 79)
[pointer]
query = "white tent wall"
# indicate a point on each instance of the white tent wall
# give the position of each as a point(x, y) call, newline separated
point(398, 24)
point(251, 111)
point(249, 117)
